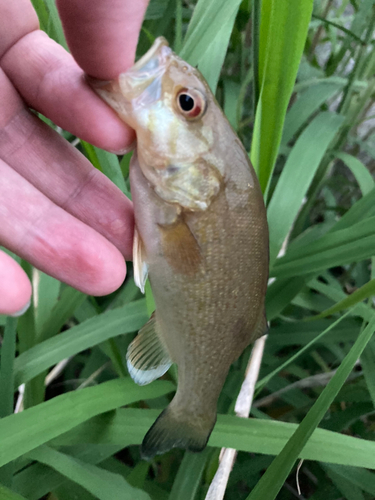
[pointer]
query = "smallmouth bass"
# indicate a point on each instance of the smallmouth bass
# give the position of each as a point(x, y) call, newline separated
point(201, 235)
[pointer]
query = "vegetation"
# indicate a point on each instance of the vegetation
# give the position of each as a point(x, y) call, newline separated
point(312, 142)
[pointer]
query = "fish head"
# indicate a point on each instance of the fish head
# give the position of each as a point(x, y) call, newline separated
point(165, 100)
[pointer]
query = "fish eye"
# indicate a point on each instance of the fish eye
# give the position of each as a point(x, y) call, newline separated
point(186, 102)
point(191, 103)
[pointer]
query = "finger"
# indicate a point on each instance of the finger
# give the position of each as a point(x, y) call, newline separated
point(63, 174)
point(18, 18)
point(103, 38)
point(51, 82)
point(54, 241)
point(15, 287)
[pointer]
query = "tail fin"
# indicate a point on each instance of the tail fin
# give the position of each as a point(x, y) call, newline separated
point(174, 430)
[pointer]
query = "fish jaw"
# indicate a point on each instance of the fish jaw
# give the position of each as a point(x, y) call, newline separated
point(142, 82)
point(138, 88)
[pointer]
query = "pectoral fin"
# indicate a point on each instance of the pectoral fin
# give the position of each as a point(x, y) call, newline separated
point(147, 358)
point(139, 264)
point(180, 248)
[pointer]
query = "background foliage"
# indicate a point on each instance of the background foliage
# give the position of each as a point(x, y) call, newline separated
point(77, 429)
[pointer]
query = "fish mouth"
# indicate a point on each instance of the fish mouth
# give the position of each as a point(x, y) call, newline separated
point(151, 56)
point(139, 86)
point(143, 80)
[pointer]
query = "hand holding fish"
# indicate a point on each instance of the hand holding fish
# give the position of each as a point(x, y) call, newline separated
point(57, 211)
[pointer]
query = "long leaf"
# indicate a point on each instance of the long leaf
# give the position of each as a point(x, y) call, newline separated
point(6, 494)
point(296, 177)
point(360, 172)
point(22, 432)
point(307, 103)
point(210, 16)
point(189, 475)
point(366, 291)
point(103, 484)
point(364, 479)
point(37, 479)
point(283, 31)
point(128, 427)
point(211, 62)
point(8, 351)
point(335, 248)
point(91, 332)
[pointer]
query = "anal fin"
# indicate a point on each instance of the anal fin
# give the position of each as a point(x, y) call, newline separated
point(147, 358)
point(139, 264)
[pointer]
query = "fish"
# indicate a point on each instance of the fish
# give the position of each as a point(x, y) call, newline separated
point(201, 237)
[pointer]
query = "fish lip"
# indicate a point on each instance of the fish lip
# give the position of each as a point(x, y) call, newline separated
point(141, 84)
point(153, 51)
point(156, 50)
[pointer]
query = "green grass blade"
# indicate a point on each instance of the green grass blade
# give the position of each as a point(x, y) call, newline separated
point(368, 366)
point(360, 172)
point(255, 38)
point(126, 319)
point(335, 293)
point(283, 31)
point(189, 475)
point(286, 334)
point(333, 249)
point(156, 9)
point(231, 97)
point(103, 484)
point(107, 163)
point(366, 291)
point(42, 12)
point(8, 352)
point(22, 432)
point(110, 166)
point(212, 60)
point(209, 18)
point(280, 293)
point(297, 175)
point(271, 482)
point(128, 427)
point(37, 480)
point(307, 103)
point(346, 487)
point(45, 295)
point(263, 381)
point(55, 29)
point(6, 494)
point(364, 479)
point(70, 300)
point(178, 27)
point(362, 209)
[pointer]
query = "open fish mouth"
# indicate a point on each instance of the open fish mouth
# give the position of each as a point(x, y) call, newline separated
point(150, 60)
point(143, 80)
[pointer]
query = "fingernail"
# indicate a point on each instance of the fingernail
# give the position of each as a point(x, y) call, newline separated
point(21, 311)
point(125, 150)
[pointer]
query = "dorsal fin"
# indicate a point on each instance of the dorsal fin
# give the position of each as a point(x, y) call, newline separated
point(147, 357)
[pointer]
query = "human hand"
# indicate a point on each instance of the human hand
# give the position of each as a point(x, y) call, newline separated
point(57, 211)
